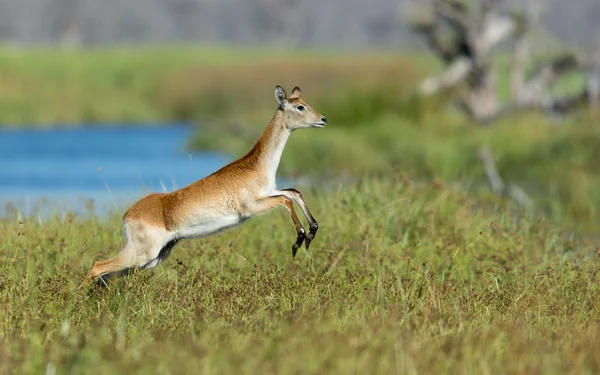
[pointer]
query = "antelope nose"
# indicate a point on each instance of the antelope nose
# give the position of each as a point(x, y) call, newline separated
point(324, 119)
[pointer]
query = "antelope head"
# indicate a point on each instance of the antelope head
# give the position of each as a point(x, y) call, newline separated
point(297, 114)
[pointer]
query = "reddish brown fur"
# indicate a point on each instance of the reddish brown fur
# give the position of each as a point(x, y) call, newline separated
point(243, 188)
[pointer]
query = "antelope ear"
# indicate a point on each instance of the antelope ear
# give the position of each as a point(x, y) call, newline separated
point(296, 93)
point(280, 95)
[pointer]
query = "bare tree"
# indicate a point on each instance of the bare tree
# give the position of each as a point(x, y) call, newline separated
point(463, 35)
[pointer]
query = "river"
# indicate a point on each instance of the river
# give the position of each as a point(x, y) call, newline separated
point(95, 169)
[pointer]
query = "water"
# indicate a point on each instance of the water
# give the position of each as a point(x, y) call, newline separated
point(51, 171)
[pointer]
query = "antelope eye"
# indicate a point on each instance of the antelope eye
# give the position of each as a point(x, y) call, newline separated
point(301, 108)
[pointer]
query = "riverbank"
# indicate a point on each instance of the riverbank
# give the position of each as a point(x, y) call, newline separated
point(94, 169)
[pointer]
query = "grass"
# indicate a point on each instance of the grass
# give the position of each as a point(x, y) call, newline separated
point(41, 86)
point(401, 278)
point(378, 131)
point(376, 124)
point(48, 86)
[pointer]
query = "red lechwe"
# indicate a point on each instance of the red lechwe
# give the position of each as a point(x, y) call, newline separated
point(233, 194)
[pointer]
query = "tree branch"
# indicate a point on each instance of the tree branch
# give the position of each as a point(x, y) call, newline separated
point(495, 181)
point(593, 81)
point(455, 13)
point(429, 31)
point(466, 59)
point(456, 73)
point(495, 30)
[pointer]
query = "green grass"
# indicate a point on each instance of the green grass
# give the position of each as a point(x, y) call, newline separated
point(44, 86)
point(41, 87)
point(378, 131)
point(376, 124)
point(401, 278)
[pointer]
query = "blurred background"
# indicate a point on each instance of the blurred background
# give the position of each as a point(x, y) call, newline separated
point(104, 101)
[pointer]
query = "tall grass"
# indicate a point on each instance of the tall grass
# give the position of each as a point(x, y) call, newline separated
point(401, 278)
point(45, 86)
point(376, 124)
point(407, 274)
point(380, 130)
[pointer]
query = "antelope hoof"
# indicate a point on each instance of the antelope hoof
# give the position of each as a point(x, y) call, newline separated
point(298, 243)
point(311, 233)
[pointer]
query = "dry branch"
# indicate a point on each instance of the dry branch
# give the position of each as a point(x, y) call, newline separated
point(475, 32)
point(467, 55)
point(495, 181)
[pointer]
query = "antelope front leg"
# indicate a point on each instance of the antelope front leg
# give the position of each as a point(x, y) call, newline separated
point(296, 196)
point(265, 204)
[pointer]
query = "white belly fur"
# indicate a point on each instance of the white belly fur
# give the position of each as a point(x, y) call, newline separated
point(207, 227)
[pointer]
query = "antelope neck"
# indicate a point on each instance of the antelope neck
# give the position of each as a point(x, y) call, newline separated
point(271, 145)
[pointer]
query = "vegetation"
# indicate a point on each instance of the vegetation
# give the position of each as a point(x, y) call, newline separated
point(377, 130)
point(376, 124)
point(411, 270)
point(44, 87)
point(401, 278)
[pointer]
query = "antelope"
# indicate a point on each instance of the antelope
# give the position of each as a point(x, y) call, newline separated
point(227, 198)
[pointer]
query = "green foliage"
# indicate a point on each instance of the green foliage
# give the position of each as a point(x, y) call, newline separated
point(400, 278)
point(244, 90)
point(419, 276)
point(380, 129)
point(41, 87)
point(379, 125)
point(376, 124)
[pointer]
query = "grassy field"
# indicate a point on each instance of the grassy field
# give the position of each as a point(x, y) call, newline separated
point(376, 125)
point(379, 130)
point(407, 274)
point(46, 86)
point(401, 279)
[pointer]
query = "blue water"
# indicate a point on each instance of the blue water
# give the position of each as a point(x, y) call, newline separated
point(51, 171)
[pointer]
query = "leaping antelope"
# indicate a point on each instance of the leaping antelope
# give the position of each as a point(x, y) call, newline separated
point(242, 189)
